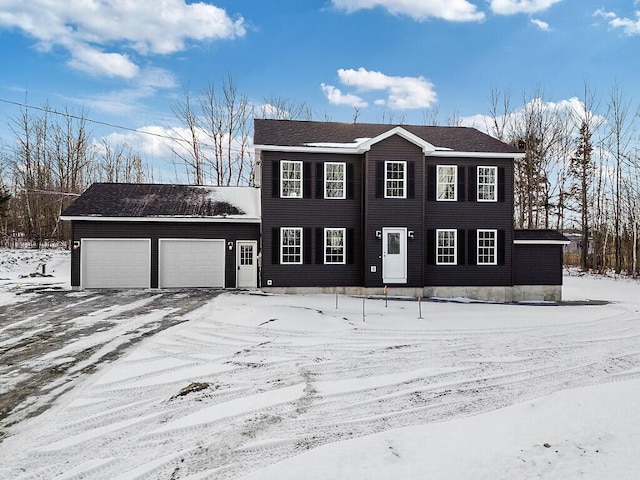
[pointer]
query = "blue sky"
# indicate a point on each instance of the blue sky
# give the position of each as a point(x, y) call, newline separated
point(126, 62)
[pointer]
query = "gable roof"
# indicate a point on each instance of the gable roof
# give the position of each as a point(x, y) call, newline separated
point(165, 202)
point(358, 137)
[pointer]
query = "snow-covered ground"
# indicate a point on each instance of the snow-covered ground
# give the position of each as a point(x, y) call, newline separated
point(325, 387)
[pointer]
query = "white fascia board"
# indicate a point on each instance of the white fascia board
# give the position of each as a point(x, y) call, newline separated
point(305, 149)
point(229, 219)
point(451, 153)
point(541, 242)
point(426, 146)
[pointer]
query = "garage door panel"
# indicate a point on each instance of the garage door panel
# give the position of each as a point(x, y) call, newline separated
point(116, 263)
point(191, 263)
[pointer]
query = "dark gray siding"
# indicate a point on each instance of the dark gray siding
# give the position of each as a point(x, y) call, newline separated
point(467, 215)
point(537, 264)
point(230, 232)
point(311, 213)
point(393, 212)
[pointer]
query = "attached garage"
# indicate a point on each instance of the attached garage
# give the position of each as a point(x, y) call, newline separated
point(164, 236)
point(191, 263)
point(116, 263)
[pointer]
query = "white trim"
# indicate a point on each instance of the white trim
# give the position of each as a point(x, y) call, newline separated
point(455, 184)
point(438, 152)
point(404, 178)
point(344, 246)
point(229, 219)
point(426, 146)
point(344, 180)
point(282, 262)
point(541, 242)
point(455, 246)
point(495, 184)
point(495, 246)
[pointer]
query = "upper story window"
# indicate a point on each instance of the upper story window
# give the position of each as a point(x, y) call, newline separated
point(487, 247)
point(395, 179)
point(290, 179)
point(291, 245)
point(446, 251)
point(487, 184)
point(334, 245)
point(335, 180)
point(447, 180)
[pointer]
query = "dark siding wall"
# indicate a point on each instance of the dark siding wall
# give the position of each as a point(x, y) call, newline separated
point(312, 212)
point(393, 212)
point(537, 265)
point(467, 215)
point(230, 232)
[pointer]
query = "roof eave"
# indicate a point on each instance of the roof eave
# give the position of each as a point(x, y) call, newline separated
point(100, 218)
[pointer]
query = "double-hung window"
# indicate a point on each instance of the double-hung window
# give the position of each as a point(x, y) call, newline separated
point(446, 251)
point(290, 179)
point(334, 245)
point(487, 184)
point(487, 247)
point(291, 245)
point(395, 179)
point(446, 185)
point(335, 180)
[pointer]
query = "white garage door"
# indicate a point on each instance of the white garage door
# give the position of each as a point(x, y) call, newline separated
point(191, 263)
point(115, 263)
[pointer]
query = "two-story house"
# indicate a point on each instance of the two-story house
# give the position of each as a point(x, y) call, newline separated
point(421, 210)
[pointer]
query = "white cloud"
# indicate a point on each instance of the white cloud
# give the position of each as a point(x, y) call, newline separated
point(511, 7)
point(628, 25)
point(540, 24)
point(88, 28)
point(336, 97)
point(420, 10)
point(402, 92)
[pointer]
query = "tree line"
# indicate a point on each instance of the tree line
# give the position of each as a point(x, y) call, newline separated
point(580, 172)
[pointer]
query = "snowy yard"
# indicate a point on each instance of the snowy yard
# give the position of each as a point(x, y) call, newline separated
point(291, 387)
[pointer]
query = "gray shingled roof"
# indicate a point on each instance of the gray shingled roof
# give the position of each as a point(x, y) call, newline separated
point(539, 235)
point(301, 133)
point(165, 200)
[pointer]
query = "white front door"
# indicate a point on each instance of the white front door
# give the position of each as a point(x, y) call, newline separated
point(394, 255)
point(247, 276)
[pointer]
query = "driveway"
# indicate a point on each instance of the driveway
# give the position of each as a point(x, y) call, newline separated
point(56, 335)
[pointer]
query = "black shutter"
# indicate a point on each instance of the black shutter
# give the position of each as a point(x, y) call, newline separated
point(501, 175)
point(350, 246)
point(461, 190)
point(320, 180)
point(319, 246)
point(431, 183)
point(501, 247)
point(275, 246)
point(411, 179)
point(472, 181)
point(431, 247)
point(275, 177)
point(350, 181)
point(306, 246)
point(461, 246)
point(379, 179)
point(472, 250)
point(306, 180)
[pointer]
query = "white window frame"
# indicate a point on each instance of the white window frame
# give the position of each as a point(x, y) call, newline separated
point(294, 164)
point(293, 246)
point(480, 184)
point(492, 250)
point(439, 247)
point(328, 181)
point(389, 183)
point(441, 185)
point(327, 261)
